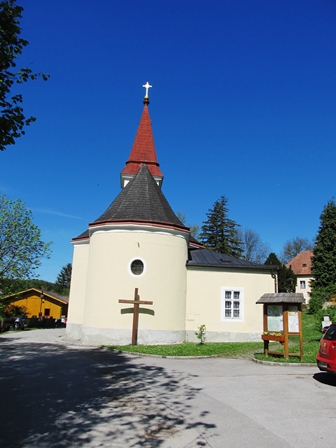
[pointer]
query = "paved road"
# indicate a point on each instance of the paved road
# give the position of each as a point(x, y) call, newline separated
point(56, 395)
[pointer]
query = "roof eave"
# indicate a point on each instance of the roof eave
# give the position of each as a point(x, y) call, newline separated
point(139, 222)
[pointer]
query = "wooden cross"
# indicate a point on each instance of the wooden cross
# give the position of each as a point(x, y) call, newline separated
point(136, 302)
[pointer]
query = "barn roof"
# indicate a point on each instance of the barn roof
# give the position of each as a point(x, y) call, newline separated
point(52, 295)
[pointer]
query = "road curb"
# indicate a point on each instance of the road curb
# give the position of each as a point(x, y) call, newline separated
point(284, 364)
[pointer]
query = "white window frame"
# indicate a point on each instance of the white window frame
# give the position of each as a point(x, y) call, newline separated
point(302, 284)
point(232, 289)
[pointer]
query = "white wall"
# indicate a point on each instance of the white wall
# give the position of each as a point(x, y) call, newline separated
point(307, 289)
point(78, 289)
point(164, 253)
point(204, 302)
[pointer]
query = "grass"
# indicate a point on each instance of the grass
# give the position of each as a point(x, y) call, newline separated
point(311, 338)
point(227, 349)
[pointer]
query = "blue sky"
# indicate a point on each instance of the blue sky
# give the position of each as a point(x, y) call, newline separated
point(243, 104)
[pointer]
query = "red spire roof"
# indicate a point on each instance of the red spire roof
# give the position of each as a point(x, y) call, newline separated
point(143, 149)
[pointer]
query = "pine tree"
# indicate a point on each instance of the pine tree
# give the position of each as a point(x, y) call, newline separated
point(220, 233)
point(324, 252)
point(286, 278)
point(62, 284)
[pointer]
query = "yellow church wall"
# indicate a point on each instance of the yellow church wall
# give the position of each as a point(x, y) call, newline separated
point(205, 292)
point(109, 279)
point(78, 286)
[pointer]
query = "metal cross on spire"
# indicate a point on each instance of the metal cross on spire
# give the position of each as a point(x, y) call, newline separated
point(147, 86)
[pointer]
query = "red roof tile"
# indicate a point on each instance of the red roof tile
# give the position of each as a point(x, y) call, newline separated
point(301, 264)
point(143, 149)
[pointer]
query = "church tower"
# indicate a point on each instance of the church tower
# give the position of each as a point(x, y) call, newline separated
point(137, 243)
point(143, 149)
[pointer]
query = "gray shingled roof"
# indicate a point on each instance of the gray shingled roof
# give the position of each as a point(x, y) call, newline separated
point(141, 200)
point(210, 258)
point(282, 297)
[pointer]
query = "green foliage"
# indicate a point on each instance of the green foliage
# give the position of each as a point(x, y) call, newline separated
point(62, 284)
point(286, 278)
point(273, 260)
point(12, 118)
point(11, 286)
point(13, 310)
point(200, 334)
point(319, 296)
point(225, 349)
point(331, 310)
point(324, 252)
point(220, 233)
point(21, 248)
point(315, 304)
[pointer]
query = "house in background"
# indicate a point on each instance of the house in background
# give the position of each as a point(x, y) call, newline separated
point(39, 303)
point(301, 265)
point(139, 246)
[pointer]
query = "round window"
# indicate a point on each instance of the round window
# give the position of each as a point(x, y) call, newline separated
point(137, 267)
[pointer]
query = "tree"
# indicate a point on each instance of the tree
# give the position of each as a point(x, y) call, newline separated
point(286, 278)
point(293, 247)
point(220, 233)
point(194, 228)
point(12, 118)
point(324, 251)
point(21, 248)
point(16, 285)
point(62, 284)
point(255, 249)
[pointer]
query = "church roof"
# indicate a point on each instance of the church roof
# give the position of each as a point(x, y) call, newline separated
point(141, 201)
point(143, 149)
point(302, 263)
point(210, 258)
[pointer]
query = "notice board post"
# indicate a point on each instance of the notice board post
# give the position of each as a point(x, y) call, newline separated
point(282, 318)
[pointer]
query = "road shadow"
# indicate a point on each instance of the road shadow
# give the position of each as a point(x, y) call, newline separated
point(55, 396)
point(325, 378)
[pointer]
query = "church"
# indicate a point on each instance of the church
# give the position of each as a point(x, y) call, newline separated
point(137, 264)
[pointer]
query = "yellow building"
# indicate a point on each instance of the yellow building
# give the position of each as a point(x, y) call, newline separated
point(39, 303)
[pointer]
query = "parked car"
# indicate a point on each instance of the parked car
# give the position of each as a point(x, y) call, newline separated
point(326, 358)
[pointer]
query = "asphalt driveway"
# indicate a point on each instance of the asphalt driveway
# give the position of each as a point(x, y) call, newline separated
point(58, 395)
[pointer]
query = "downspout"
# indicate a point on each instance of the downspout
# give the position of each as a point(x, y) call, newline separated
point(274, 275)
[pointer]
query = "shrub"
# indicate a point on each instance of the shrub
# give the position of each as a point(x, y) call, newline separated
point(319, 296)
point(201, 333)
point(331, 310)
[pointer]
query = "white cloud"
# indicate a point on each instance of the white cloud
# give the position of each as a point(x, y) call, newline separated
point(54, 212)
